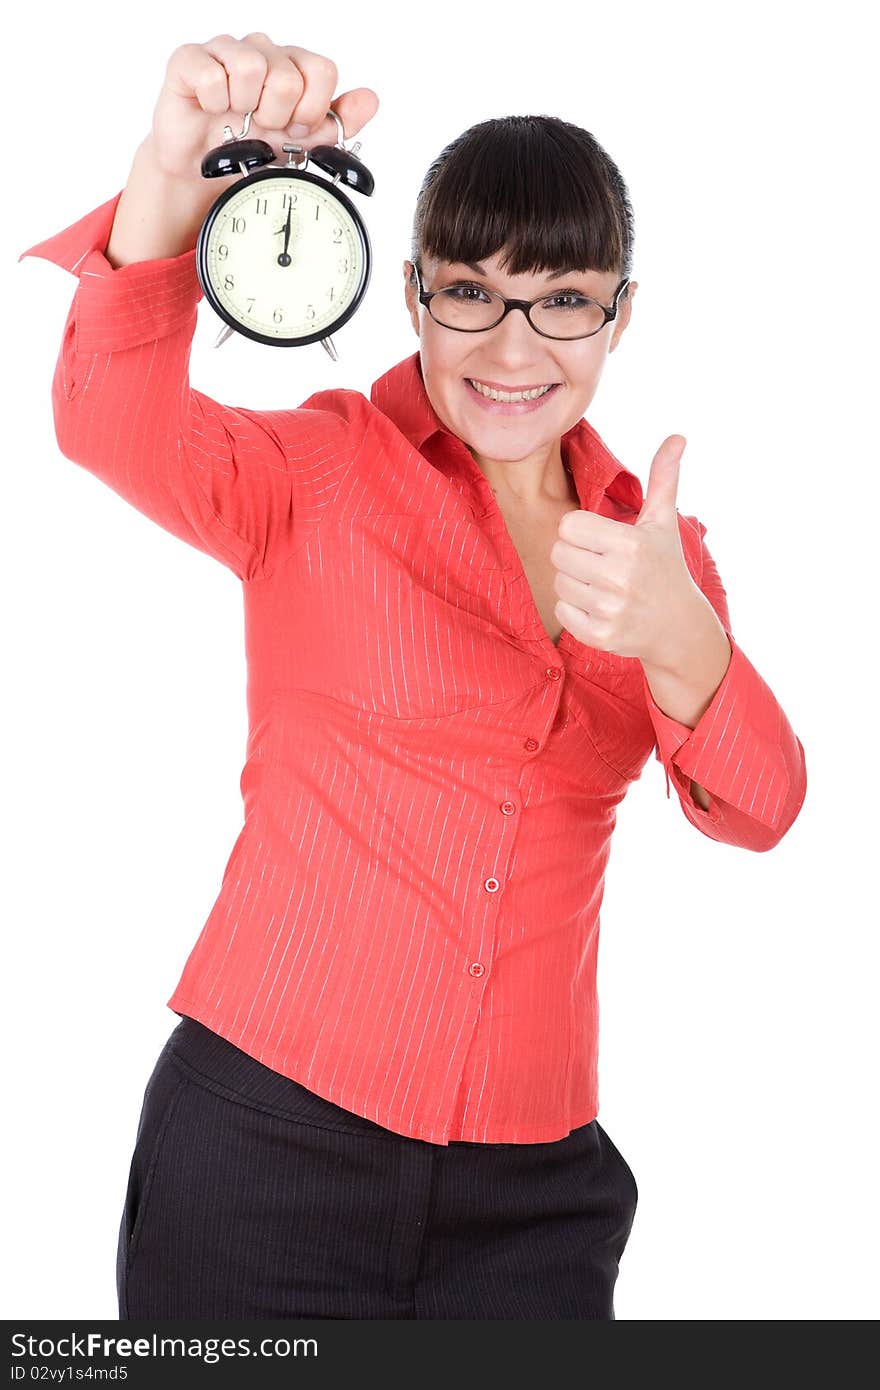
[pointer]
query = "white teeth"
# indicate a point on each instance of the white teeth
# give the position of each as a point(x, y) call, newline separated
point(493, 395)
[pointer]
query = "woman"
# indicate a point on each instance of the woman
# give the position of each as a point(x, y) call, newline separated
point(467, 629)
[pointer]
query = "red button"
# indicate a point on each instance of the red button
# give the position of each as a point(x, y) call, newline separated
point(508, 808)
point(530, 745)
point(476, 968)
point(553, 673)
point(491, 885)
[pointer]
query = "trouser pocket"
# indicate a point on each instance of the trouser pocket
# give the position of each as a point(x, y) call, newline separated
point(624, 1181)
point(163, 1093)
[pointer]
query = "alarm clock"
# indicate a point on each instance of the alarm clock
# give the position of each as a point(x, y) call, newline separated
point(283, 255)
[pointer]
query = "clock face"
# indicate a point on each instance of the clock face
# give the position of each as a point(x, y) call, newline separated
point(284, 257)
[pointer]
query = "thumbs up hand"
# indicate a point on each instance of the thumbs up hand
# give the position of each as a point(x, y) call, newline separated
point(627, 588)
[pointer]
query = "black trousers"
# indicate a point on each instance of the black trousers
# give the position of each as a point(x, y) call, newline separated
point(251, 1197)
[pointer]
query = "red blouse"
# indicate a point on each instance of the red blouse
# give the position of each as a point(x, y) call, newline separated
point(408, 921)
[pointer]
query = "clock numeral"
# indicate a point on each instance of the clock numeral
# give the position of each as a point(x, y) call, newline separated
point(262, 205)
point(251, 303)
point(289, 199)
point(310, 312)
point(229, 282)
point(317, 210)
point(222, 252)
point(337, 236)
point(332, 291)
point(238, 224)
point(343, 265)
point(277, 316)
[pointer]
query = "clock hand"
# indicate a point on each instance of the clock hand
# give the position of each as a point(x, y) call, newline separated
point(284, 259)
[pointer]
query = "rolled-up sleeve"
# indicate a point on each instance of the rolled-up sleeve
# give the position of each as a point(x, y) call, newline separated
point(233, 482)
point(742, 750)
point(125, 306)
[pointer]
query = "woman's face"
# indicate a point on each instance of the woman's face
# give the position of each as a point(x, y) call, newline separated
point(512, 356)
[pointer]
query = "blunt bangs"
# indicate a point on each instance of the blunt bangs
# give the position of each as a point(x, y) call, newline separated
point(537, 188)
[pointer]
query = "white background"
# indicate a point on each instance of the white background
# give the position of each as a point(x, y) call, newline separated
point(738, 1038)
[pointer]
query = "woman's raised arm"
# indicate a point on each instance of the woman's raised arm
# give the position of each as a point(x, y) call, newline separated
point(231, 481)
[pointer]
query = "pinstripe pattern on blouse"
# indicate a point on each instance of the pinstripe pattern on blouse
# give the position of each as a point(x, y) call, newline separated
point(408, 921)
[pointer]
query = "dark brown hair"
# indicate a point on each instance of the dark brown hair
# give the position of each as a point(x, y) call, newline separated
point(538, 186)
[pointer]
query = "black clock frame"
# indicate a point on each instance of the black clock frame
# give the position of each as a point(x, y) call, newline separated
point(261, 176)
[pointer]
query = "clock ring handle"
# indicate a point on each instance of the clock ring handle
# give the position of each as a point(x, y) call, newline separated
point(338, 119)
point(340, 139)
point(228, 132)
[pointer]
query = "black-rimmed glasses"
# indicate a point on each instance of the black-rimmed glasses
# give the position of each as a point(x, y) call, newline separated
point(471, 308)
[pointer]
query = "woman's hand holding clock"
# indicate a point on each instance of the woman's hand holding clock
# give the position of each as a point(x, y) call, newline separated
point(289, 91)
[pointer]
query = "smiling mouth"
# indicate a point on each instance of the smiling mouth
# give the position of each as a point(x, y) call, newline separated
point(522, 395)
point(495, 392)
